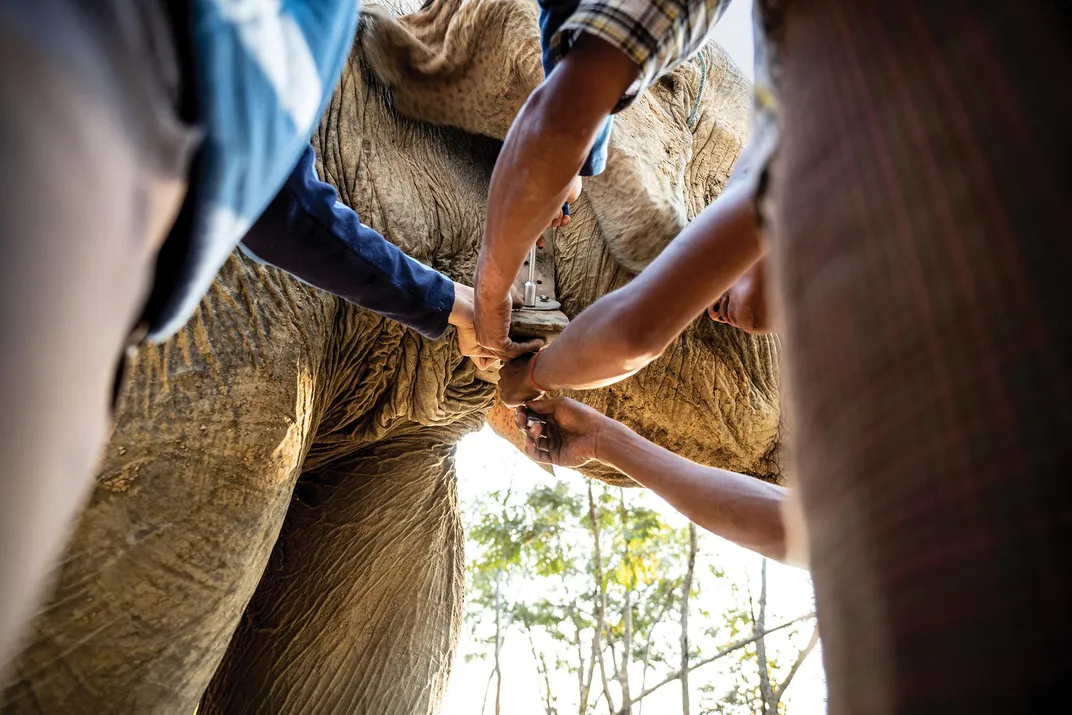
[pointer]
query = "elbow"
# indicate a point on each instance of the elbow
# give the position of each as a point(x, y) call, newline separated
point(637, 338)
point(786, 540)
point(639, 345)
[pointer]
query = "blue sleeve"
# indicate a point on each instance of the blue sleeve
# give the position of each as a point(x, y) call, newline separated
point(307, 232)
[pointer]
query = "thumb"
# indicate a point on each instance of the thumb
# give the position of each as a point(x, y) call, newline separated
point(529, 346)
point(516, 299)
point(546, 406)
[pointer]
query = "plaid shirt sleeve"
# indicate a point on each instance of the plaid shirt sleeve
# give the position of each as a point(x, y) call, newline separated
point(656, 34)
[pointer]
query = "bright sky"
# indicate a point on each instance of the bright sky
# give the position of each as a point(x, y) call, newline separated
point(486, 463)
point(734, 32)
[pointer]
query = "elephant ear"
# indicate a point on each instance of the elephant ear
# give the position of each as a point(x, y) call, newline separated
point(466, 66)
point(671, 153)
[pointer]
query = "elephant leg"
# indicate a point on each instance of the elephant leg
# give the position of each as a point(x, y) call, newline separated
point(360, 607)
point(209, 440)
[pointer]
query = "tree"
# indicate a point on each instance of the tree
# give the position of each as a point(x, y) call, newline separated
point(500, 533)
point(636, 574)
point(764, 694)
point(771, 692)
point(604, 591)
point(520, 541)
point(686, 591)
point(551, 554)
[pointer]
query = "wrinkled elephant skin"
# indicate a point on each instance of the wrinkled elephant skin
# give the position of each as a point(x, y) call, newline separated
point(275, 528)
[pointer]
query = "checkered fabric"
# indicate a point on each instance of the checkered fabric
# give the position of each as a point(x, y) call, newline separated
point(656, 34)
point(661, 34)
point(921, 234)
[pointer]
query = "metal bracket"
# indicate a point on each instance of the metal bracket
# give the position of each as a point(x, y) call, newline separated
point(543, 319)
point(544, 276)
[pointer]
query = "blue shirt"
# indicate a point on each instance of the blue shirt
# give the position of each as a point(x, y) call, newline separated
point(264, 70)
point(308, 232)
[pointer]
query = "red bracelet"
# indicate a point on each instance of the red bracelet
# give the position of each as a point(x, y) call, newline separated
point(532, 372)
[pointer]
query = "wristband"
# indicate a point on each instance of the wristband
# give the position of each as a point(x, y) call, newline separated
point(532, 372)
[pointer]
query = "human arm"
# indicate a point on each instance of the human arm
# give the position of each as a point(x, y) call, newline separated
point(741, 509)
point(307, 232)
point(625, 330)
point(545, 148)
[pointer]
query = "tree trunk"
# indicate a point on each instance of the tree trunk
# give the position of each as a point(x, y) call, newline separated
point(770, 705)
point(627, 610)
point(601, 602)
point(498, 643)
point(686, 590)
point(487, 688)
point(582, 696)
point(647, 650)
point(541, 669)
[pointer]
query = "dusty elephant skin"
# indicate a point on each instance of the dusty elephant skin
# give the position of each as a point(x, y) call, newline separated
point(274, 527)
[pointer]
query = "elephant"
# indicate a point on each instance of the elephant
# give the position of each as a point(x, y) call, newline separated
point(274, 527)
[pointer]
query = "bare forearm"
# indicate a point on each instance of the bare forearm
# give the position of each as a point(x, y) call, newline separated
point(741, 509)
point(531, 178)
point(543, 151)
point(625, 330)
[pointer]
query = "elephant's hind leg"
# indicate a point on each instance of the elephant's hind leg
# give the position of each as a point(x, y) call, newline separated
point(360, 607)
point(194, 487)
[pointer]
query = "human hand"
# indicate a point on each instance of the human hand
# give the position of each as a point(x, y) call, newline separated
point(492, 322)
point(563, 432)
point(562, 219)
point(461, 317)
point(515, 387)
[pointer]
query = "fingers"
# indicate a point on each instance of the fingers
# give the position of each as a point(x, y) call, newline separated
point(574, 190)
point(540, 437)
point(522, 415)
point(537, 455)
point(514, 350)
point(545, 406)
point(561, 220)
point(540, 449)
point(484, 363)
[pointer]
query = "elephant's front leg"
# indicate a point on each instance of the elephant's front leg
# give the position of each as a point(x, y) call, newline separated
point(360, 607)
point(194, 487)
